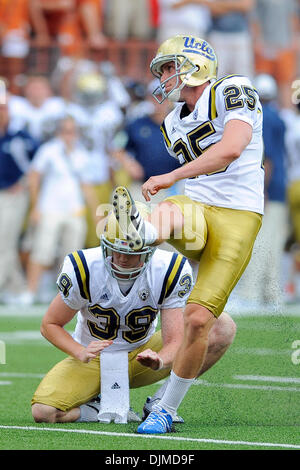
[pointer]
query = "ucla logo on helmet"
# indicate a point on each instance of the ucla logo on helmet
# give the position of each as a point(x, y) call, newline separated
point(191, 44)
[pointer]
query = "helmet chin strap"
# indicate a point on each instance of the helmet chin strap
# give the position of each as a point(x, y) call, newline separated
point(174, 95)
point(124, 270)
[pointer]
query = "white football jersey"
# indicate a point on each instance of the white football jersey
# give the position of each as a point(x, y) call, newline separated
point(62, 177)
point(187, 135)
point(40, 121)
point(104, 313)
point(102, 122)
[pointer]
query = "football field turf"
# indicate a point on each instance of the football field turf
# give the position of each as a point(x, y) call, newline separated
point(249, 400)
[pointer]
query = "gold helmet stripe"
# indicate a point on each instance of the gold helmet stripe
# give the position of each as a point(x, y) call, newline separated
point(82, 273)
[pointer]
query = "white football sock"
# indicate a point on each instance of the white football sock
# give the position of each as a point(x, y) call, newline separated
point(175, 393)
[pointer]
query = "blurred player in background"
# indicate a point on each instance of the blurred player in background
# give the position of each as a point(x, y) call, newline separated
point(118, 293)
point(216, 133)
point(60, 184)
point(85, 93)
point(17, 149)
point(36, 110)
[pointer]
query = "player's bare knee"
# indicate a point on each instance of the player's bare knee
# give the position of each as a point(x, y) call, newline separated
point(223, 332)
point(43, 413)
point(227, 327)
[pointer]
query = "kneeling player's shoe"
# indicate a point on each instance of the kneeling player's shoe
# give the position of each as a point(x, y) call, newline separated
point(159, 421)
point(130, 221)
point(133, 416)
point(148, 408)
point(94, 404)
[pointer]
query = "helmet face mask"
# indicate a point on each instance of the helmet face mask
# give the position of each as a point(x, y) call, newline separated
point(121, 247)
point(181, 62)
point(195, 63)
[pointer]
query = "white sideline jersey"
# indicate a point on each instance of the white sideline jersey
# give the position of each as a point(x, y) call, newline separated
point(187, 135)
point(62, 175)
point(104, 313)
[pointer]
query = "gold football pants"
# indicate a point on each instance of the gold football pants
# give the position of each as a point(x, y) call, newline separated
point(70, 383)
point(293, 194)
point(221, 240)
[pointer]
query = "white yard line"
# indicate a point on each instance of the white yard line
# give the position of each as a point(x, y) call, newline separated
point(198, 382)
point(151, 436)
point(260, 351)
point(273, 388)
point(267, 378)
point(21, 375)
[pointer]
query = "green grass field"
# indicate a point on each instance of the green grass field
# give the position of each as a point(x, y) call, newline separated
point(249, 400)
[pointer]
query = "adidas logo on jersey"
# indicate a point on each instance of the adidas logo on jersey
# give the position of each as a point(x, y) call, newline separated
point(115, 386)
point(104, 297)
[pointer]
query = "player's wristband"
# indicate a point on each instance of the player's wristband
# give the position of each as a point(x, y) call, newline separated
point(161, 364)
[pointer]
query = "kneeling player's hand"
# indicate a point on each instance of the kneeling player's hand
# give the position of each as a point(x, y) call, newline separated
point(149, 358)
point(93, 350)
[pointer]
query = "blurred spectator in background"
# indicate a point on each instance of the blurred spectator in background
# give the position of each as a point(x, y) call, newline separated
point(14, 39)
point(128, 19)
point(182, 17)
point(70, 22)
point(145, 145)
point(60, 189)
point(92, 21)
point(293, 172)
point(276, 43)
point(230, 35)
point(226, 24)
point(261, 286)
point(16, 151)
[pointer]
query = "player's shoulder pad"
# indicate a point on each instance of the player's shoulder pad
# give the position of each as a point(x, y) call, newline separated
point(173, 269)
